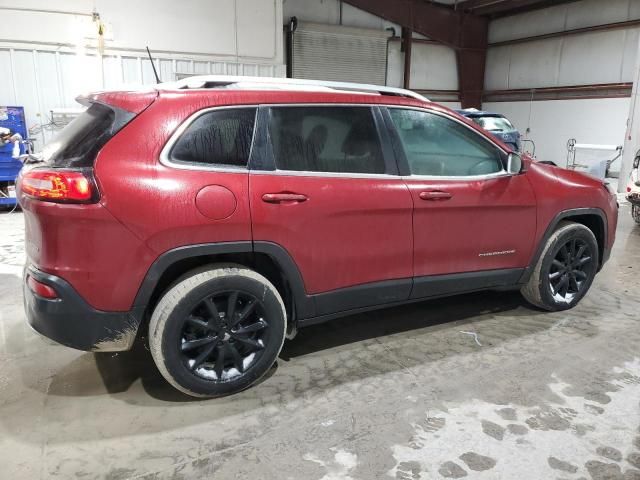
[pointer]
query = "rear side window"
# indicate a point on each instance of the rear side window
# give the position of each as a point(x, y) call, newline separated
point(438, 146)
point(326, 139)
point(78, 144)
point(219, 137)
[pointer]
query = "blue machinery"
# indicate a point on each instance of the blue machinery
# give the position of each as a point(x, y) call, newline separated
point(13, 119)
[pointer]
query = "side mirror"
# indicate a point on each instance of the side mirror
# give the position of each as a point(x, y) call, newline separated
point(636, 162)
point(514, 164)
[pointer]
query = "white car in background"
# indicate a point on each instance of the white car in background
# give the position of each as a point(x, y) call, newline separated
point(633, 189)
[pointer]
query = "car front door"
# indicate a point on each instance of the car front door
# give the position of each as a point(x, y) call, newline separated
point(474, 223)
point(333, 201)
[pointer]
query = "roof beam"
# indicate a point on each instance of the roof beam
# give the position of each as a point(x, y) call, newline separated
point(446, 25)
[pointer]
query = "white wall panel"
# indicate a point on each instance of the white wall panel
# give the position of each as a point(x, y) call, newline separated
point(585, 13)
point(7, 92)
point(234, 28)
point(255, 20)
point(354, 17)
point(249, 28)
point(630, 52)
point(534, 64)
point(592, 58)
point(433, 67)
point(588, 13)
point(583, 59)
point(498, 66)
point(315, 11)
point(536, 22)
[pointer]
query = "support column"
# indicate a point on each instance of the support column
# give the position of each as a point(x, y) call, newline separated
point(407, 46)
point(471, 66)
point(632, 135)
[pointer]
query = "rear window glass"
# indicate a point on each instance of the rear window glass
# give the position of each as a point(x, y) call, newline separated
point(220, 137)
point(78, 144)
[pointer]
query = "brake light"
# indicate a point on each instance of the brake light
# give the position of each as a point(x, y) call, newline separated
point(40, 289)
point(67, 186)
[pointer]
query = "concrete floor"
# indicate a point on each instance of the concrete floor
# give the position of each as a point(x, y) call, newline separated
point(478, 386)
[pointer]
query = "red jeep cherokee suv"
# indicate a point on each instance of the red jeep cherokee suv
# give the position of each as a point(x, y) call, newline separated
point(217, 215)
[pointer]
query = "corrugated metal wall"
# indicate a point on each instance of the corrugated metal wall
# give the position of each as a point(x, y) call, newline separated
point(607, 56)
point(43, 80)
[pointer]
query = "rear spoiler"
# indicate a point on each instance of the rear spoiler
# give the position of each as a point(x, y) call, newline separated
point(134, 101)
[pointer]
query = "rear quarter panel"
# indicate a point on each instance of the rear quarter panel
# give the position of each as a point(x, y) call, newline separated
point(157, 203)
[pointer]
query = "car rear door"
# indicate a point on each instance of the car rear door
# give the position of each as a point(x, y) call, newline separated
point(474, 224)
point(326, 191)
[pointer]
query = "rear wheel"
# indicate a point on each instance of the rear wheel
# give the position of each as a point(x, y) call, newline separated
point(217, 331)
point(566, 269)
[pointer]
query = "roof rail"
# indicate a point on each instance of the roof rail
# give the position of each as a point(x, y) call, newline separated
point(271, 83)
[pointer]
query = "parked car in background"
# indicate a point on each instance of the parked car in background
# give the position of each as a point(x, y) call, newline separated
point(497, 124)
point(259, 206)
point(633, 189)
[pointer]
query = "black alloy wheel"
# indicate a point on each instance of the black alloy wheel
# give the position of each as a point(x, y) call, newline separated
point(218, 330)
point(570, 270)
point(565, 269)
point(224, 335)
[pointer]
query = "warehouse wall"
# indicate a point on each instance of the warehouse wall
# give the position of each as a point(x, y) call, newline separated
point(433, 66)
point(580, 59)
point(48, 50)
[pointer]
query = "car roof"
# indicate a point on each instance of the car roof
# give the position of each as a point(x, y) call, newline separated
point(472, 112)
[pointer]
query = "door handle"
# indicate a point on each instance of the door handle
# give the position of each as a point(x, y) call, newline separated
point(435, 195)
point(284, 198)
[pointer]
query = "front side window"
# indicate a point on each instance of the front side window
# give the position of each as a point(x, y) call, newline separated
point(438, 146)
point(326, 139)
point(219, 137)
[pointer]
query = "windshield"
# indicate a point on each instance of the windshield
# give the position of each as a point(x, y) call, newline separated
point(494, 124)
point(78, 144)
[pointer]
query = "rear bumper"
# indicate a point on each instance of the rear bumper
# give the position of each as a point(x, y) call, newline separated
point(70, 321)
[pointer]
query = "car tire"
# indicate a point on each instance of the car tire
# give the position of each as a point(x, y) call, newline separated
point(565, 270)
point(635, 213)
point(217, 331)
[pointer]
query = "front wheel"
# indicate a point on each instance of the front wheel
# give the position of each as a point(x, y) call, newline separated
point(635, 213)
point(566, 269)
point(217, 331)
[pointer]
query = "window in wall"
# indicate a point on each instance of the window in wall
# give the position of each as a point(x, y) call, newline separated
point(438, 146)
point(326, 139)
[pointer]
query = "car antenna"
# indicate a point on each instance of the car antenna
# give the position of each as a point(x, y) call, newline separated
point(153, 65)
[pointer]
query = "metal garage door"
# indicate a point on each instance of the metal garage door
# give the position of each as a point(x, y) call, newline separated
point(327, 52)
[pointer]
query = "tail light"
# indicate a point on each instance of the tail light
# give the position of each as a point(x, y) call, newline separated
point(57, 185)
point(40, 289)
